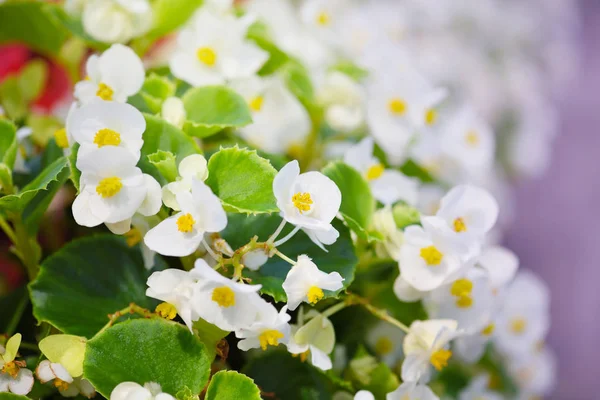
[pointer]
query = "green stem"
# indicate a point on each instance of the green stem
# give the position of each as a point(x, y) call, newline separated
point(130, 309)
point(284, 257)
point(16, 318)
point(335, 308)
point(379, 313)
point(8, 230)
point(27, 253)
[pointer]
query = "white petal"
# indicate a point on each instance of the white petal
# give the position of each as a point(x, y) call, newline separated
point(166, 239)
point(121, 227)
point(86, 388)
point(393, 186)
point(319, 359)
point(44, 372)
point(360, 155)
point(194, 167)
point(83, 213)
point(405, 292)
point(364, 395)
point(122, 70)
point(122, 390)
point(284, 181)
point(61, 373)
point(208, 208)
point(153, 200)
point(23, 383)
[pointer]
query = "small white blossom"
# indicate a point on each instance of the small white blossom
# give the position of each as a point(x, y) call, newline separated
point(386, 341)
point(388, 185)
point(270, 329)
point(309, 200)
point(14, 377)
point(535, 373)
point(478, 389)
point(67, 385)
point(305, 283)
point(190, 168)
point(316, 337)
point(115, 75)
point(117, 21)
point(343, 100)
point(181, 234)
point(412, 391)
point(393, 238)
point(135, 391)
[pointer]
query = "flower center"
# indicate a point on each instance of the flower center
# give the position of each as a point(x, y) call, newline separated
point(61, 385)
point(302, 201)
point(375, 171)
point(488, 330)
point(107, 137)
point(185, 223)
point(431, 255)
point(108, 187)
point(440, 358)
point(10, 368)
point(207, 56)
point(224, 296)
point(133, 237)
point(269, 338)
point(314, 294)
point(105, 92)
point(430, 116)
point(472, 138)
point(459, 225)
point(166, 310)
point(384, 346)
point(397, 106)
point(518, 326)
point(323, 18)
point(462, 289)
point(60, 137)
point(256, 103)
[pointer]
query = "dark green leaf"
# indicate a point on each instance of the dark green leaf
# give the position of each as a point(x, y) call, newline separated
point(8, 143)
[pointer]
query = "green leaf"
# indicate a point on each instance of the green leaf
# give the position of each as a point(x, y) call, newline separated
point(32, 23)
point(18, 202)
point(170, 14)
point(258, 32)
point(231, 385)
point(160, 135)
point(299, 82)
point(286, 377)
point(89, 278)
point(358, 204)
point(210, 335)
point(369, 374)
point(340, 257)
point(405, 215)
point(412, 169)
point(156, 90)
point(10, 396)
point(12, 99)
point(242, 180)
point(166, 163)
point(32, 79)
point(75, 27)
point(75, 175)
point(8, 143)
point(147, 350)
point(352, 70)
point(211, 109)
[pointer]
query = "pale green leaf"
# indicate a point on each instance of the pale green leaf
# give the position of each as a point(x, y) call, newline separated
point(156, 90)
point(170, 14)
point(166, 163)
point(231, 385)
point(8, 143)
point(67, 350)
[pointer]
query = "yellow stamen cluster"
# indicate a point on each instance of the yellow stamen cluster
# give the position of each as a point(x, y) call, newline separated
point(375, 171)
point(397, 106)
point(518, 326)
point(185, 223)
point(107, 137)
point(108, 187)
point(166, 310)
point(256, 103)
point(431, 255)
point(60, 137)
point(323, 18)
point(430, 116)
point(302, 201)
point(439, 359)
point(224, 296)
point(462, 289)
point(105, 92)
point(472, 138)
point(459, 225)
point(384, 346)
point(133, 237)
point(488, 330)
point(61, 385)
point(206, 56)
point(10, 368)
point(269, 338)
point(314, 294)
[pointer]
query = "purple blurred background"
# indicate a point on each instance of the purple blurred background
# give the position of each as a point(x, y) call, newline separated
point(555, 231)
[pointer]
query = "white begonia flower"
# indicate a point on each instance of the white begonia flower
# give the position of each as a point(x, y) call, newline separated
point(323, 16)
point(500, 263)
point(317, 336)
point(398, 107)
point(524, 317)
point(470, 348)
point(388, 185)
point(117, 21)
point(177, 288)
point(181, 234)
point(21, 155)
point(429, 256)
point(343, 100)
point(190, 168)
point(67, 385)
point(386, 341)
point(14, 377)
point(135, 391)
point(115, 75)
point(222, 302)
point(106, 124)
point(173, 111)
point(478, 389)
point(393, 238)
point(535, 373)
point(469, 141)
point(309, 201)
point(213, 49)
point(469, 211)
point(279, 121)
point(270, 329)
point(412, 391)
point(427, 345)
point(305, 283)
point(112, 192)
point(468, 300)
